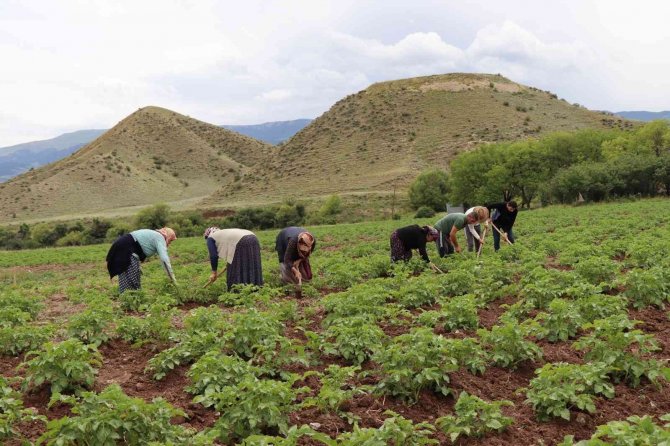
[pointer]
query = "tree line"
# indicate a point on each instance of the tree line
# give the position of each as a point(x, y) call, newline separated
point(561, 167)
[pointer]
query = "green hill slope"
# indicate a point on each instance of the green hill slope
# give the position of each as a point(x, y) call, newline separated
point(384, 135)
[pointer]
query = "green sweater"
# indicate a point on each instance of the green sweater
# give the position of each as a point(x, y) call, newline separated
point(447, 222)
point(153, 242)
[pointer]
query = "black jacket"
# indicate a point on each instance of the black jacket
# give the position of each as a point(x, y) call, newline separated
point(413, 237)
point(505, 219)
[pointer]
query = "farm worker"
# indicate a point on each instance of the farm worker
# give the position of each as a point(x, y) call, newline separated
point(404, 240)
point(294, 245)
point(473, 231)
point(503, 216)
point(127, 251)
point(448, 226)
point(240, 250)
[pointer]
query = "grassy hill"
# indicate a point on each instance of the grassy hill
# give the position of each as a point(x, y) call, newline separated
point(153, 155)
point(384, 135)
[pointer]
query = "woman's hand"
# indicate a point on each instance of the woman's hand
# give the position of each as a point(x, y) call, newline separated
point(212, 279)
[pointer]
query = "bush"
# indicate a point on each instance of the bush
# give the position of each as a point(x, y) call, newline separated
point(117, 230)
point(424, 212)
point(429, 189)
point(153, 217)
point(74, 238)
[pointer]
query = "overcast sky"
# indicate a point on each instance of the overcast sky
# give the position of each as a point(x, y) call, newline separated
point(77, 64)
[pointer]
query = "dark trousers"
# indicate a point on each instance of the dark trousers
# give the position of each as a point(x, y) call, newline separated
point(473, 243)
point(444, 246)
point(496, 237)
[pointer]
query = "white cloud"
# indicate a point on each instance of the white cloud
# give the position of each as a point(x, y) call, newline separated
point(76, 64)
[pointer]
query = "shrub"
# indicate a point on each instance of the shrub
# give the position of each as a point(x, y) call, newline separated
point(424, 212)
point(153, 217)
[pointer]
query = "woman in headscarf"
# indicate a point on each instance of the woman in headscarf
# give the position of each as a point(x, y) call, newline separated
point(404, 240)
point(127, 251)
point(240, 250)
point(473, 231)
point(294, 245)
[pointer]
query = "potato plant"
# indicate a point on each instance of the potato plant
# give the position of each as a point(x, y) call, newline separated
point(474, 417)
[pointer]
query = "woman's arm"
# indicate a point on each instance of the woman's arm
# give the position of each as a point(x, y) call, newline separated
point(165, 258)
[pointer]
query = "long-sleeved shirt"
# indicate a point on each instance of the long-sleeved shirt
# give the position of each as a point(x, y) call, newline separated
point(153, 242)
point(471, 227)
point(413, 237)
point(222, 243)
point(505, 219)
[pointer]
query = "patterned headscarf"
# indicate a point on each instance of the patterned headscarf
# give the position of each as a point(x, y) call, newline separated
point(433, 232)
point(306, 240)
point(168, 234)
point(208, 231)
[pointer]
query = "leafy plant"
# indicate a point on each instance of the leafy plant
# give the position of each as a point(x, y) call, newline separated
point(413, 361)
point(335, 391)
point(460, 313)
point(90, 325)
point(635, 430)
point(355, 338)
point(67, 365)
point(156, 326)
point(252, 406)
point(22, 338)
point(615, 343)
point(560, 322)
point(559, 387)
point(112, 418)
point(474, 417)
point(645, 287)
point(507, 346)
point(469, 354)
point(12, 412)
point(214, 371)
point(396, 430)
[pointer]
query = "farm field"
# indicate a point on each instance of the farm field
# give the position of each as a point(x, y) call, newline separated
point(558, 335)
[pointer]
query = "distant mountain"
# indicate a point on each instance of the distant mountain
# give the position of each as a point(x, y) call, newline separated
point(17, 159)
point(644, 115)
point(154, 155)
point(21, 157)
point(271, 132)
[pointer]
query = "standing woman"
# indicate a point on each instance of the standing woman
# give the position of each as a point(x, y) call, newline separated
point(242, 253)
point(294, 245)
point(404, 240)
point(503, 216)
point(473, 231)
point(127, 251)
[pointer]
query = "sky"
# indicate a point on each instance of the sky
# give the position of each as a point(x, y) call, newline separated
point(67, 65)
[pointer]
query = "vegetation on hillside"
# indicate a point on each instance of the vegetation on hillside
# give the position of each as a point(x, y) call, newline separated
point(559, 167)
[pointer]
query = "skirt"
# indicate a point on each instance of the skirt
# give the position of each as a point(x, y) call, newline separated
point(246, 267)
point(130, 279)
point(398, 250)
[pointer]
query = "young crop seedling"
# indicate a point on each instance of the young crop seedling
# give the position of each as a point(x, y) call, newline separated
point(507, 345)
point(69, 365)
point(355, 338)
point(413, 361)
point(559, 387)
point(474, 417)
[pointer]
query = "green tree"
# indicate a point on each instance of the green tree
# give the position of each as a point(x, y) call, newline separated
point(430, 189)
point(153, 217)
